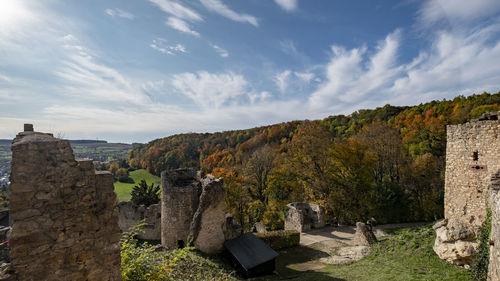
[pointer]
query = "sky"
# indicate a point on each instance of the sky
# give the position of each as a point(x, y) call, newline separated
point(136, 70)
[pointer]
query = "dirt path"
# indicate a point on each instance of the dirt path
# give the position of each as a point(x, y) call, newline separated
point(345, 234)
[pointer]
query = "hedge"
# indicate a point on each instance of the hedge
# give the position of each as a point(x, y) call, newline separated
point(280, 239)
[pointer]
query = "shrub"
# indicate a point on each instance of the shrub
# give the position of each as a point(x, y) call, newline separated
point(280, 239)
point(479, 269)
point(141, 262)
point(143, 194)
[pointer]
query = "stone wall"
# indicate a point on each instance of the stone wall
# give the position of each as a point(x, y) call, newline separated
point(304, 216)
point(130, 214)
point(494, 202)
point(192, 211)
point(472, 154)
point(63, 214)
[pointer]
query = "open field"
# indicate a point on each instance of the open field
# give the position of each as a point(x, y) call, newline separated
point(123, 190)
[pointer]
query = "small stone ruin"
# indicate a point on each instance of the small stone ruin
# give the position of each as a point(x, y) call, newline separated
point(304, 216)
point(62, 212)
point(192, 210)
point(364, 235)
point(131, 214)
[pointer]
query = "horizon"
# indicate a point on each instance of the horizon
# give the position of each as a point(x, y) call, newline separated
point(135, 71)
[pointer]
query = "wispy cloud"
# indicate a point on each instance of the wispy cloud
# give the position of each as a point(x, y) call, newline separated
point(210, 90)
point(161, 46)
point(281, 80)
point(174, 8)
point(457, 12)
point(288, 5)
point(222, 9)
point(120, 13)
point(305, 76)
point(222, 52)
point(181, 25)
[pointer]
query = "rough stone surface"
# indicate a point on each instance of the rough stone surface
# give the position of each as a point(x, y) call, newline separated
point(207, 226)
point(347, 254)
point(193, 211)
point(231, 228)
point(364, 235)
point(63, 214)
point(494, 202)
point(472, 154)
point(304, 216)
point(259, 228)
point(181, 190)
point(131, 214)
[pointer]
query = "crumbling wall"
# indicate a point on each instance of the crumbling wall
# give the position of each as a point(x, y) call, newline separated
point(131, 214)
point(62, 212)
point(192, 210)
point(494, 203)
point(304, 216)
point(472, 154)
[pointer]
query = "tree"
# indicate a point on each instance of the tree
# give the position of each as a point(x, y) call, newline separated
point(257, 170)
point(143, 194)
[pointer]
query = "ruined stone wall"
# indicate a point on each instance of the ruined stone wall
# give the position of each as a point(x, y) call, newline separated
point(131, 214)
point(472, 157)
point(302, 216)
point(193, 211)
point(63, 215)
point(494, 203)
point(467, 179)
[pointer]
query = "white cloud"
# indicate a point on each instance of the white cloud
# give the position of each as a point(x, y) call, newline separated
point(176, 9)
point(222, 9)
point(306, 76)
point(457, 12)
point(119, 13)
point(181, 25)
point(160, 45)
point(287, 5)
point(222, 52)
point(281, 80)
point(210, 90)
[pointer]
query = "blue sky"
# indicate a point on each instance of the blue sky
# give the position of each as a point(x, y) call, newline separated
point(136, 70)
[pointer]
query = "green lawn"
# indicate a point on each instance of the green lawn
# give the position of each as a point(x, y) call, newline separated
point(123, 190)
point(407, 255)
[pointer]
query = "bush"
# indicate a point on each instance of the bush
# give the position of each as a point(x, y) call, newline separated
point(280, 239)
point(479, 269)
point(141, 262)
point(143, 194)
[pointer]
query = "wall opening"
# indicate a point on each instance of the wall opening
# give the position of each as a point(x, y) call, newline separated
point(475, 156)
point(180, 244)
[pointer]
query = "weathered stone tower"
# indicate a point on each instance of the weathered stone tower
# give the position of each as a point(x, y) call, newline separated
point(63, 215)
point(472, 158)
point(192, 209)
point(181, 191)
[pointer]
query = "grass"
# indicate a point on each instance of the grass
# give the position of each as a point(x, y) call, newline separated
point(407, 255)
point(123, 190)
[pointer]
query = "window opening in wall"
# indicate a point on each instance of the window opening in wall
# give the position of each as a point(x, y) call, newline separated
point(180, 244)
point(475, 156)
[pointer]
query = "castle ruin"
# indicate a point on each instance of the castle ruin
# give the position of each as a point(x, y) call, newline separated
point(192, 210)
point(472, 161)
point(303, 216)
point(63, 216)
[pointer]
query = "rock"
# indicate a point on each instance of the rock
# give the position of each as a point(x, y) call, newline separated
point(347, 255)
point(207, 226)
point(130, 214)
point(259, 228)
point(364, 235)
point(450, 244)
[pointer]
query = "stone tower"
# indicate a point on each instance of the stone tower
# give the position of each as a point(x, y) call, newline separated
point(472, 158)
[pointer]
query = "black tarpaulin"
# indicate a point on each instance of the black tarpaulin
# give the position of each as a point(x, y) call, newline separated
point(252, 255)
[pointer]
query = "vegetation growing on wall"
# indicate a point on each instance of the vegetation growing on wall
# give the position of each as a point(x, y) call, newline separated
point(479, 269)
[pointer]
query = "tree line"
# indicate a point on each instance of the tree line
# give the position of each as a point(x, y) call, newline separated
point(387, 162)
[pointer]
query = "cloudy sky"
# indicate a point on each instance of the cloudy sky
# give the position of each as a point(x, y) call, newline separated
point(135, 70)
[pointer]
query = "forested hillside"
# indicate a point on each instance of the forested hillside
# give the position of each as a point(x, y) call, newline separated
point(387, 163)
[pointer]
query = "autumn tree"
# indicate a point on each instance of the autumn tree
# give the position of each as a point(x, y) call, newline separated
point(257, 170)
